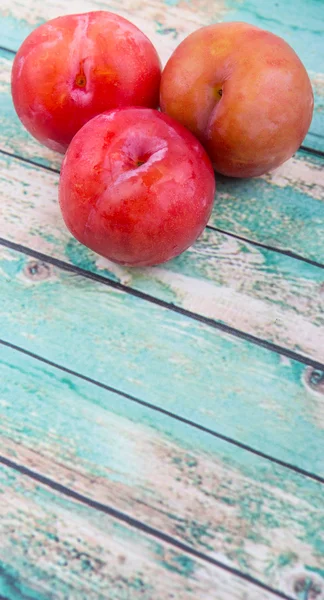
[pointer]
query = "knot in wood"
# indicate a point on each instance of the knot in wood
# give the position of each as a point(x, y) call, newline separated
point(37, 270)
point(308, 587)
point(314, 378)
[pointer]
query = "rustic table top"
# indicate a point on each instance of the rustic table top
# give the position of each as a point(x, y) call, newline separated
point(162, 429)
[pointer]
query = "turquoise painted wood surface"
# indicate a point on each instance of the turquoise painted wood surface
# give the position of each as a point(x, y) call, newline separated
point(220, 499)
point(263, 293)
point(284, 209)
point(247, 511)
point(256, 396)
point(167, 22)
point(55, 548)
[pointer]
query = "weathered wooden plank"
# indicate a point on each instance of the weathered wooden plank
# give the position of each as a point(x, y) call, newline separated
point(54, 547)
point(221, 500)
point(168, 22)
point(224, 383)
point(261, 292)
point(284, 209)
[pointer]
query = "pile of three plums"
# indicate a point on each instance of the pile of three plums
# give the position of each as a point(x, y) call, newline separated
point(137, 185)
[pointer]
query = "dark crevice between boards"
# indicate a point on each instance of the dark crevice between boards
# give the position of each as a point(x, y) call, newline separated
point(248, 337)
point(14, 52)
point(288, 253)
point(313, 150)
point(139, 525)
point(165, 412)
point(29, 161)
point(282, 251)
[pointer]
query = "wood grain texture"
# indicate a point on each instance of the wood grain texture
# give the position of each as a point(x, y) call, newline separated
point(167, 22)
point(56, 548)
point(229, 385)
point(284, 209)
point(228, 502)
point(239, 508)
point(266, 294)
